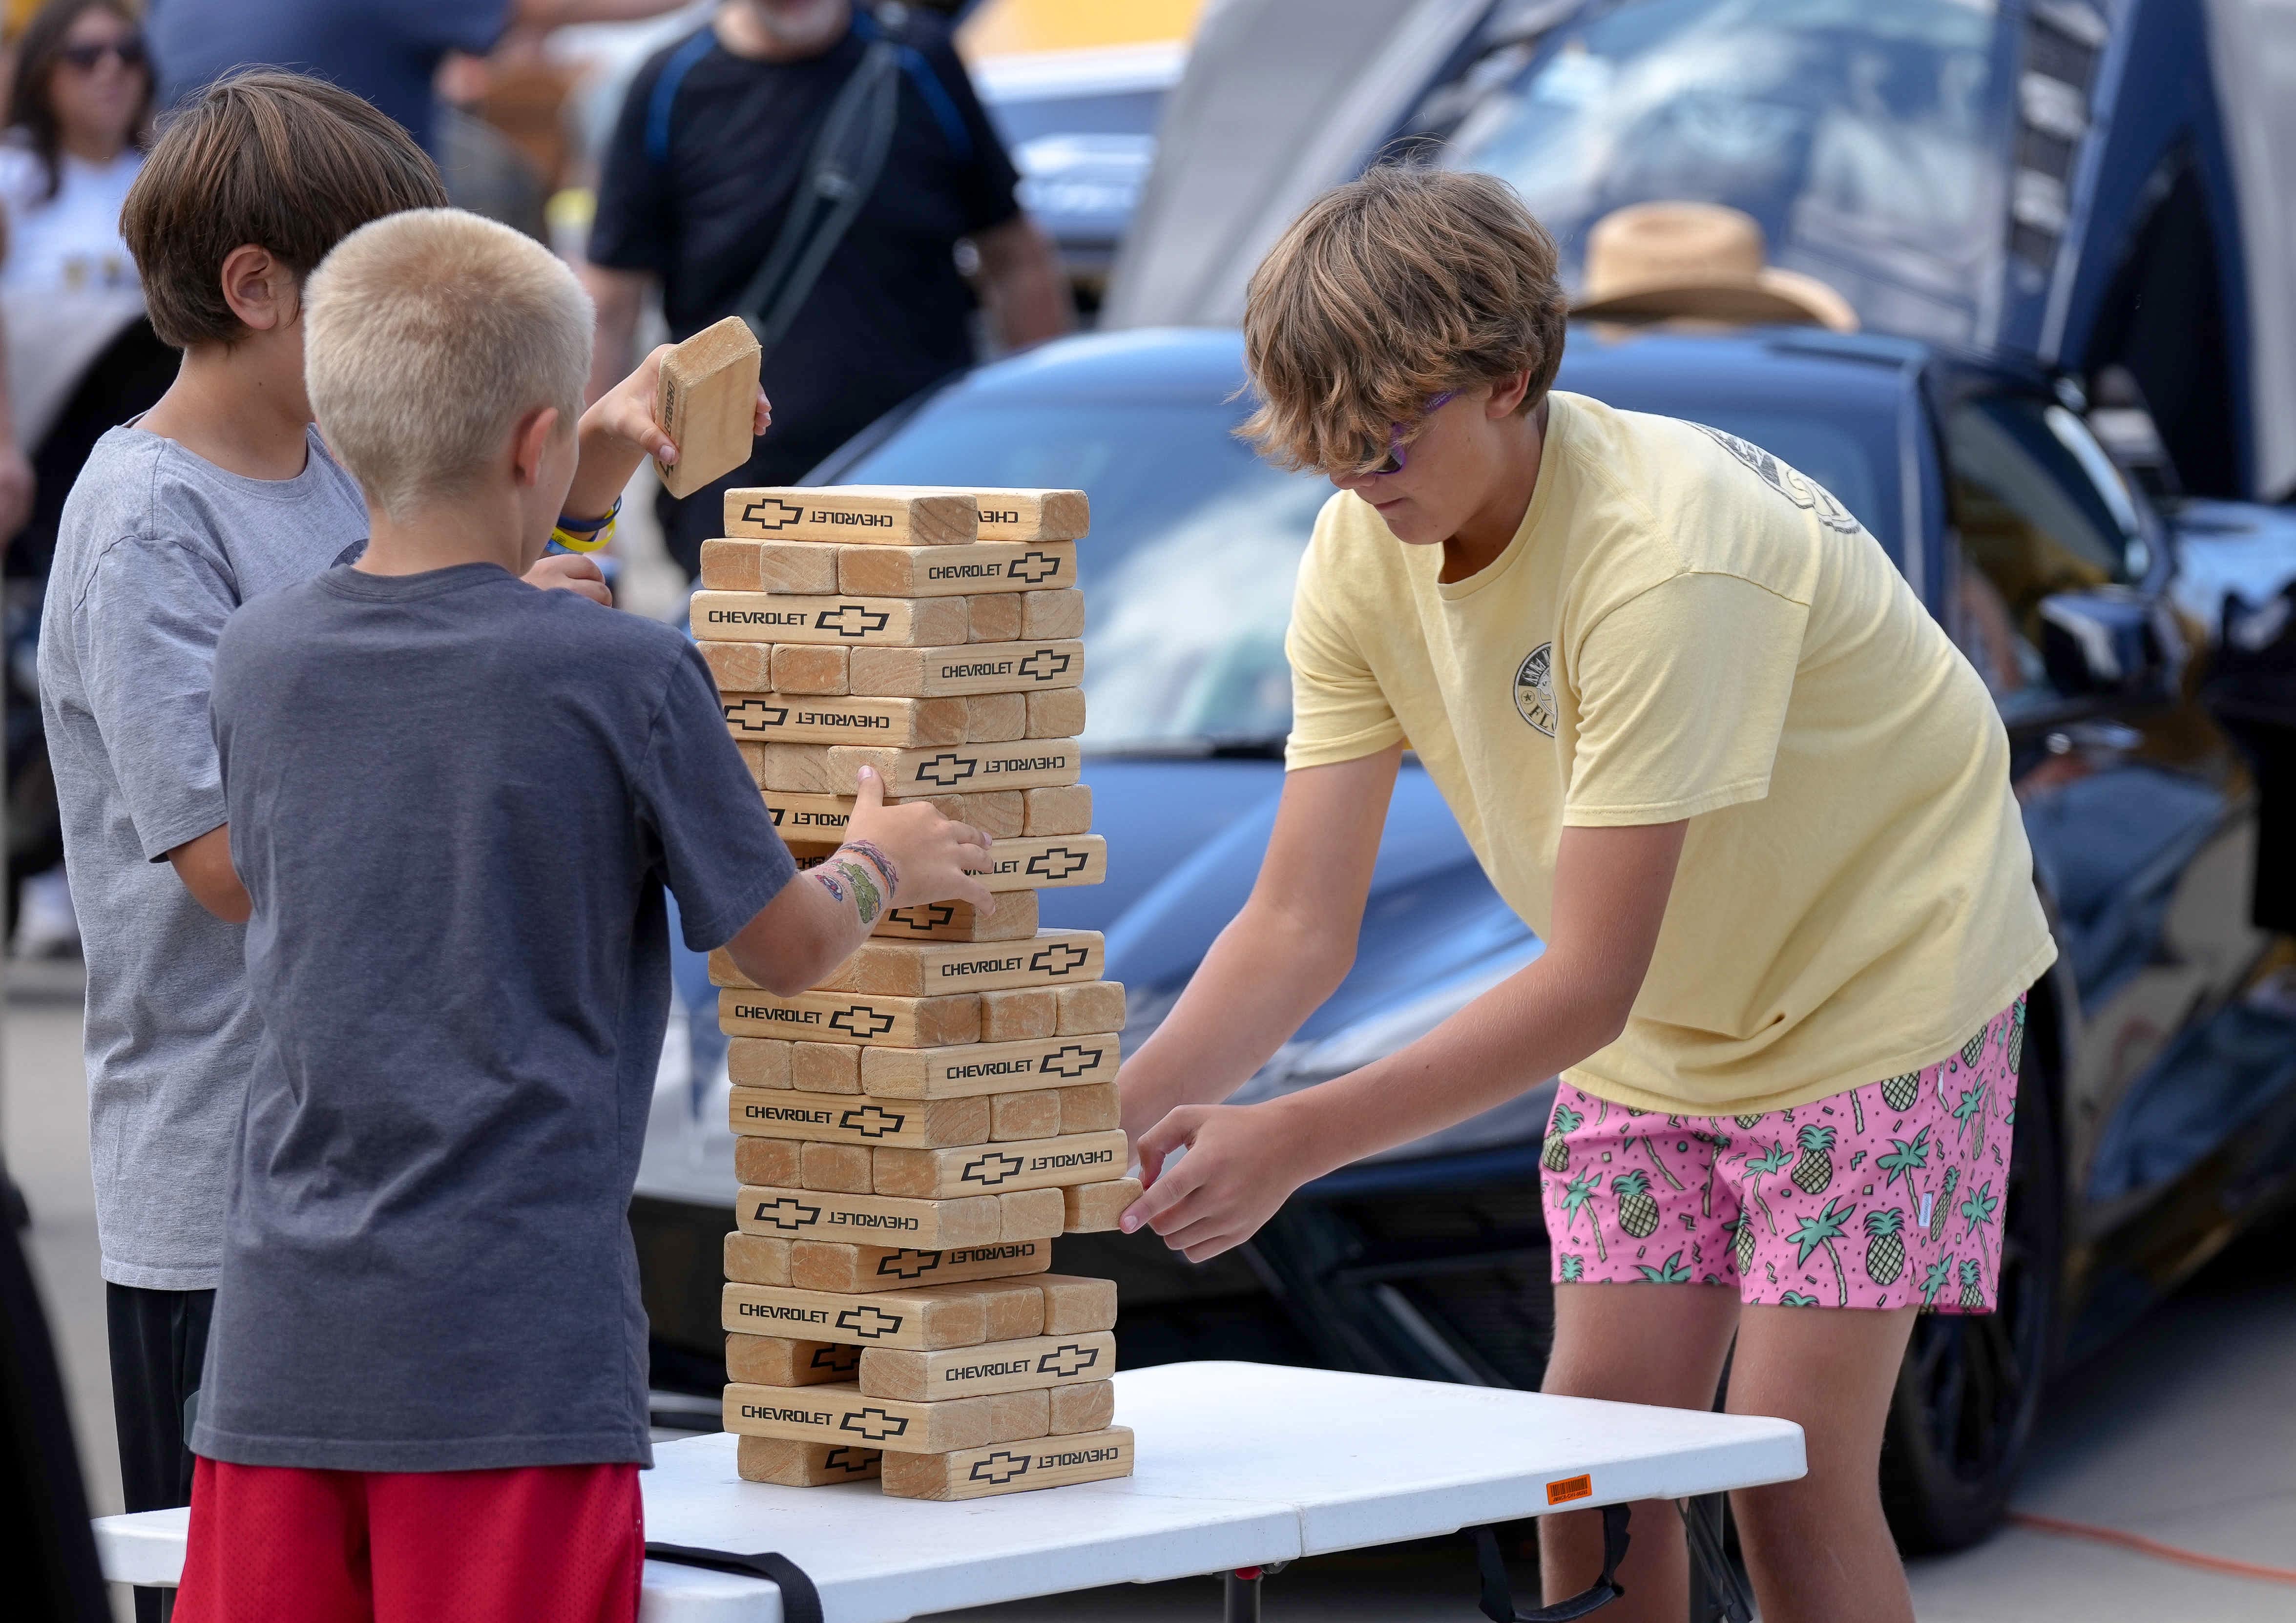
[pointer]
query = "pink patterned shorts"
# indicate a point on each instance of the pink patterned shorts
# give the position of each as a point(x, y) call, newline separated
point(1889, 1195)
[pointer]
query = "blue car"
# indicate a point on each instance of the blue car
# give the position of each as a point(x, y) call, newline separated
point(2159, 1104)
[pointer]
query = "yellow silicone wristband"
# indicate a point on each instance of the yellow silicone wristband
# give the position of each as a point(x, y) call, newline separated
point(590, 543)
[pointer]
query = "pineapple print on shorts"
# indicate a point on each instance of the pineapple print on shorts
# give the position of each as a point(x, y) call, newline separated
point(1885, 1245)
point(1814, 1169)
point(1556, 1157)
point(1637, 1210)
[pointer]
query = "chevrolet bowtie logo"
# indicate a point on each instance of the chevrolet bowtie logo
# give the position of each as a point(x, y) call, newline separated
point(1057, 863)
point(772, 514)
point(1059, 959)
point(869, 1322)
point(841, 1458)
point(1044, 665)
point(851, 620)
point(870, 1121)
point(991, 1169)
point(930, 917)
point(875, 1424)
point(1072, 1059)
point(755, 715)
point(774, 812)
point(948, 770)
point(908, 1264)
point(1067, 1359)
point(787, 1212)
point(836, 1358)
point(999, 1468)
point(861, 1020)
point(1033, 568)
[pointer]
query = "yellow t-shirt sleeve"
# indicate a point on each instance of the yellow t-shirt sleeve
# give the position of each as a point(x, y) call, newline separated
point(1682, 697)
point(1339, 712)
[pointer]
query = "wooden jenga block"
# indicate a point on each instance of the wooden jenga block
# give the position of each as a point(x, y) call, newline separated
point(745, 668)
point(797, 567)
point(706, 400)
point(840, 1017)
point(1024, 1214)
point(997, 718)
point(1009, 917)
point(828, 1265)
point(1039, 1362)
point(937, 571)
point(877, 514)
point(1051, 616)
point(1014, 514)
point(824, 1067)
point(1075, 1303)
point(816, 822)
point(1035, 1163)
point(829, 1413)
point(852, 1118)
point(1058, 713)
point(960, 1069)
point(788, 768)
point(763, 1062)
point(925, 968)
point(1035, 863)
point(1096, 1005)
point(759, 1259)
point(1057, 809)
point(790, 1464)
point(1019, 1015)
point(980, 1473)
point(1090, 1110)
point(768, 718)
point(807, 1214)
point(994, 617)
point(838, 621)
point(799, 668)
point(951, 768)
point(935, 673)
point(1086, 1407)
point(1034, 1113)
point(1093, 1208)
point(778, 1361)
point(834, 1169)
point(774, 1163)
point(923, 1316)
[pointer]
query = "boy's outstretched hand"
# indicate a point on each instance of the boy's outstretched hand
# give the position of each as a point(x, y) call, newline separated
point(936, 857)
point(622, 418)
point(1243, 1161)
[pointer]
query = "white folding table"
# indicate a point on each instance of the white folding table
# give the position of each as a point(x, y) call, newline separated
point(1240, 1466)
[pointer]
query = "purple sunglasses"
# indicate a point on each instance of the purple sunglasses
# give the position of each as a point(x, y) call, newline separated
point(1394, 463)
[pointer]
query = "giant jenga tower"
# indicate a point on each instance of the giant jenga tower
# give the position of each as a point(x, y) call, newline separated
point(913, 1133)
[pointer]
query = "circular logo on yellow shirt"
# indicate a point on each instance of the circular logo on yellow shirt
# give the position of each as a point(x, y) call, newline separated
point(1534, 688)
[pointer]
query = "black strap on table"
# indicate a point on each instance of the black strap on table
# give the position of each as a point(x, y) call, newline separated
point(800, 1601)
point(1499, 1595)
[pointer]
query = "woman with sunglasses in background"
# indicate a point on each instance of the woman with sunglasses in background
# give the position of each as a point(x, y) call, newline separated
point(83, 359)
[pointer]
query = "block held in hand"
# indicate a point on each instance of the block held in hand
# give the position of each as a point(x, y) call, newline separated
point(706, 402)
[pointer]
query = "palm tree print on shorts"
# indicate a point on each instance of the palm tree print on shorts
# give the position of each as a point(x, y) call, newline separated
point(1759, 1167)
point(1823, 1230)
point(1935, 1278)
point(1574, 1267)
point(1575, 1196)
point(1672, 1274)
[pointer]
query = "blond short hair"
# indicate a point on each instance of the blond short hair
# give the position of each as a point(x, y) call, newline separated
point(431, 333)
point(1388, 290)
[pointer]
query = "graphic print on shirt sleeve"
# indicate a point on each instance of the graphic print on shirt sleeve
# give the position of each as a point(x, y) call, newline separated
point(1797, 488)
point(1534, 688)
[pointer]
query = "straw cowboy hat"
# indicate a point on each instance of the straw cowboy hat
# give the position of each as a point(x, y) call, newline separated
point(1650, 261)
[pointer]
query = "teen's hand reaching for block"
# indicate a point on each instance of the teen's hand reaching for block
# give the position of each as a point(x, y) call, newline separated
point(571, 572)
point(1243, 1162)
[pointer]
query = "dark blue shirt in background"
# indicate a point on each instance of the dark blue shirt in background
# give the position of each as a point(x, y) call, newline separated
point(455, 801)
point(386, 51)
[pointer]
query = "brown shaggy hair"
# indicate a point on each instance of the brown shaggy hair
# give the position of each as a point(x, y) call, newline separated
point(280, 160)
point(1387, 291)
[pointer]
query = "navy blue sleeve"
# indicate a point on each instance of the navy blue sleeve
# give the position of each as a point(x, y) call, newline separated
point(633, 228)
point(722, 858)
point(987, 181)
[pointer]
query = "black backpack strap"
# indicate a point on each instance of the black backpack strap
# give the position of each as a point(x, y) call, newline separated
point(800, 1601)
point(1499, 1595)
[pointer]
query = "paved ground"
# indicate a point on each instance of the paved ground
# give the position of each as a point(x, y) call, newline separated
point(2185, 1433)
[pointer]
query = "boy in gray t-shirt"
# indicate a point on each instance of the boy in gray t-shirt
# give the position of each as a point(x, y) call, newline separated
point(221, 494)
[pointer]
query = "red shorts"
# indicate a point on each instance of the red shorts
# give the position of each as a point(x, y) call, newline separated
point(274, 1544)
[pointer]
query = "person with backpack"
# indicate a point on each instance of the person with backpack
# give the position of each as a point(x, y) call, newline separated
point(814, 166)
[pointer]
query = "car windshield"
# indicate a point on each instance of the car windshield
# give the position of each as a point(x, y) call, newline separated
point(1196, 543)
point(1857, 132)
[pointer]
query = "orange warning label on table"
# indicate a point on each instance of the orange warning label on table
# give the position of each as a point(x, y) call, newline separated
point(1569, 1489)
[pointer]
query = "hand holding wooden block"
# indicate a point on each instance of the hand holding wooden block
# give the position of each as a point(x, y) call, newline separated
point(706, 400)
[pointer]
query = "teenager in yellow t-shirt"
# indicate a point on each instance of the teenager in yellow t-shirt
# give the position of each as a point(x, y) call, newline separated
point(1707, 742)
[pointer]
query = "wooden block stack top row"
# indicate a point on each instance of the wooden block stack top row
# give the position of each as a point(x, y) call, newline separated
point(912, 1134)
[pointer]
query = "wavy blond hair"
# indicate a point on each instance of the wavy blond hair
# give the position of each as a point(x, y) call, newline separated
point(1387, 291)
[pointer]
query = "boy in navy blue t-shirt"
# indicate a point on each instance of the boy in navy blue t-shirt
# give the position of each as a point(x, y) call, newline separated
point(455, 803)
